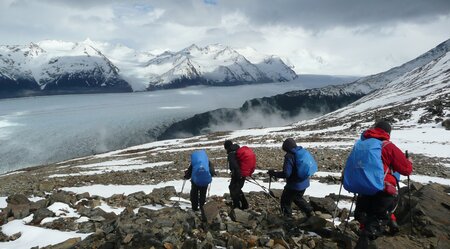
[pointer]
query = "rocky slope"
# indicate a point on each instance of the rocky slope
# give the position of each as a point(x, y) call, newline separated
point(157, 218)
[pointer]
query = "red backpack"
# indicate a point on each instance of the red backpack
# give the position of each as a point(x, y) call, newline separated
point(247, 160)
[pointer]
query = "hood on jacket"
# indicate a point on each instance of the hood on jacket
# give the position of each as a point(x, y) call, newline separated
point(233, 147)
point(377, 133)
point(289, 144)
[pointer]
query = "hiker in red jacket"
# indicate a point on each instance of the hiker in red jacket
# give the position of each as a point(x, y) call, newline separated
point(375, 211)
point(237, 180)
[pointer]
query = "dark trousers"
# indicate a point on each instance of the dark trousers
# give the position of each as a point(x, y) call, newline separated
point(238, 197)
point(198, 196)
point(296, 196)
point(373, 213)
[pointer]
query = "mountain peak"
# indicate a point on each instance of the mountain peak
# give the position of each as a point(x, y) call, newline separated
point(34, 50)
point(192, 47)
point(214, 64)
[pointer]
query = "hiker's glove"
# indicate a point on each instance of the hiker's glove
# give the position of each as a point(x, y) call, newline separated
point(271, 172)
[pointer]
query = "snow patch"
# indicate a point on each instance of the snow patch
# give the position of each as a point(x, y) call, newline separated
point(34, 236)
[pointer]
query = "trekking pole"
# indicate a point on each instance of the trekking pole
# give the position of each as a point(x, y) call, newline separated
point(182, 188)
point(339, 197)
point(263, 188)
point(349, 212)
point(270, 182)
point(209, 188)
point(409, 197)
point(270, 193)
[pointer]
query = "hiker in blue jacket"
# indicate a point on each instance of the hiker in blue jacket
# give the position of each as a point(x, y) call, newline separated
point(200, 180)
point(295, 187)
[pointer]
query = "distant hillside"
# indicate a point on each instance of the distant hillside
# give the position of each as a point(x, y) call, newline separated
point(426, 77)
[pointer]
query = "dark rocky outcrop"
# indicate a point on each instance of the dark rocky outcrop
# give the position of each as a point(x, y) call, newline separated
point(288, 106)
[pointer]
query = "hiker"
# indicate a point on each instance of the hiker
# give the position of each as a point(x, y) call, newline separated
point(376, 199)
point(296, 183)
point(242, 163)
point(201, 171)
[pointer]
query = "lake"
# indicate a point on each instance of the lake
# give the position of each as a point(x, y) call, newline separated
point(46, 129)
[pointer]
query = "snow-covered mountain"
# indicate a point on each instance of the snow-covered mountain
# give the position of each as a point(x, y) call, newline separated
point(371, 83)
point(90, 66)
point(416, 84)
point(213, 65)
point(57, 67)
point(423, 87)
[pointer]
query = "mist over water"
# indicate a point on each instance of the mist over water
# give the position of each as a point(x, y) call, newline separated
point(47, 129)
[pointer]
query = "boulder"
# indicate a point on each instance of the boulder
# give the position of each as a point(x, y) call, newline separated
point(446, 124)
point(65, 245)
point(41, 214)
point(234, 227)
point(39, 204)
point(46, 186)
point(236, 243)
point(86, 227)
point(18, 211)
point(64, 197)
point(127, 238)
point(314, 223)
point(94, 203)
point(62, 224)
point(240, 216)
point(189, 244)
point(18, 199)
point(324, 205)
point(277, 233)
point(161, 195)
point(430, 210)
point(210, 211)
point(137, 199)
point(326, 244)
point(252, 241)
point(84, 195)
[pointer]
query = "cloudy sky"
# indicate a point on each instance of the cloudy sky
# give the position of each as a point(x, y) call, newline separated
point(346, 37)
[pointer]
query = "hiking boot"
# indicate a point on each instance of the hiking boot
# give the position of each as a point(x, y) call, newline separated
point(309, 214)
point(287, 215)
point(393, 227)
point(364, 242)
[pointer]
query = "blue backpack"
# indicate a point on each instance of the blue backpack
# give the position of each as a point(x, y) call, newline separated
point(305, 163)
point(200, 168)
point(364, 170)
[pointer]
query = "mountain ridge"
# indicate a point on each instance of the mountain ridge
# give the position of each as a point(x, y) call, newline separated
point(214, 65)
point(426, 76)
point(52, 67)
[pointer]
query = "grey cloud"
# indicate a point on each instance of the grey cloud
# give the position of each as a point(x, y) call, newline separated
point(311, 15)
point(330, 13)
